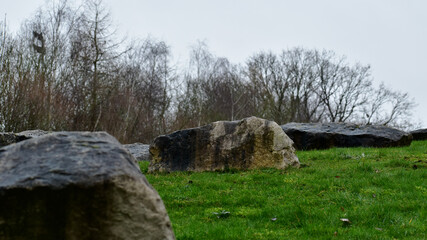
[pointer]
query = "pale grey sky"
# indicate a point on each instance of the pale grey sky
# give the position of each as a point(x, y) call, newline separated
point(390, 35)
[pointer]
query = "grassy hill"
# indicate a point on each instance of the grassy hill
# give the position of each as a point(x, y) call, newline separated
point(342, 193)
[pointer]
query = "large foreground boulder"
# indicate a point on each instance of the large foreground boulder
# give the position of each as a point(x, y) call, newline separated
point(246, 144)
point(420, 134)
point(140, 151)
point(77, 186)
point(308, 136)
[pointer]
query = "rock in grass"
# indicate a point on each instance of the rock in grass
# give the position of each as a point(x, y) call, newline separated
point(141, 152)
point(77, 186)
point(308, 136)
point(250, 143)
point(420, 134)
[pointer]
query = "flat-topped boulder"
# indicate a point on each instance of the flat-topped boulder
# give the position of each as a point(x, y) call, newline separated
point(308, 136)
point(250, 143)
point(140, 151)
point(420, 134)
point(77, 185)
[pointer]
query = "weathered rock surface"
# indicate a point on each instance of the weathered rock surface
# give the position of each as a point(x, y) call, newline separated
point(246, 144)
point(308, 136)
point(141, 152)
point(77, 186)
point(420, 134)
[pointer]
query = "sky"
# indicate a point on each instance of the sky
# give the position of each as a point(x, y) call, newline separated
point(389, 35)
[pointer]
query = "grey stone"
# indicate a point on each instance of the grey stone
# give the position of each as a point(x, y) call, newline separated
point(308, 136)
point(250, 143)
point(77, 185)
point(140, 151)
point(420, 134)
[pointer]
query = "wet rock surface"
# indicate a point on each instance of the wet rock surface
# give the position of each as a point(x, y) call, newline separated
point(246, 144)
point(308, 136)
point(77, 185)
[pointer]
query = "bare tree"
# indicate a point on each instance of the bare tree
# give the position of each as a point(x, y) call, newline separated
point(271, 84)
point(388, 107)
point(342, 89)
point(302, 104)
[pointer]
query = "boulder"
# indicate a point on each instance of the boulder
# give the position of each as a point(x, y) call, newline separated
point(250, 143)
point(77, 185)
point(420, 134)
point(141, 152)
point(308, 136)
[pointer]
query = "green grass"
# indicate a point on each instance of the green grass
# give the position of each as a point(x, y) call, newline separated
point(383, 192)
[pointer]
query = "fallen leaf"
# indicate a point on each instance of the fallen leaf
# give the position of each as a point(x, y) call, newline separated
point(337, 176)
point(222, 214)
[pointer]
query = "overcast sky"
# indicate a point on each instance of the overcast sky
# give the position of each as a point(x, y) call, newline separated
point(390, 35)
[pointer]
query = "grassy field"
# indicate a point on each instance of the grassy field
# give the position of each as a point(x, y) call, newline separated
point(381, 192)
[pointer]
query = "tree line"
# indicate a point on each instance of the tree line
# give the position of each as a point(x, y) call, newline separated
point(66, 69)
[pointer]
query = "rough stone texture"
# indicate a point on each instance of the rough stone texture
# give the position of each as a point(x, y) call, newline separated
point(308, 136)
point(246, 144)
point(141, 152)
point(420, 134)
point(77, 186)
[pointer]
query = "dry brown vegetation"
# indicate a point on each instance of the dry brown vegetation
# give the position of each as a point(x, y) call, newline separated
point(66, 70)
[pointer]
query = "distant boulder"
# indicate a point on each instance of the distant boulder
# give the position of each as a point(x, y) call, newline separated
point(308, 136)
point(420, 134)
point(33, 133)
point(246, 144)
point(141, 152)
point(77, 185)
point(7, 138)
